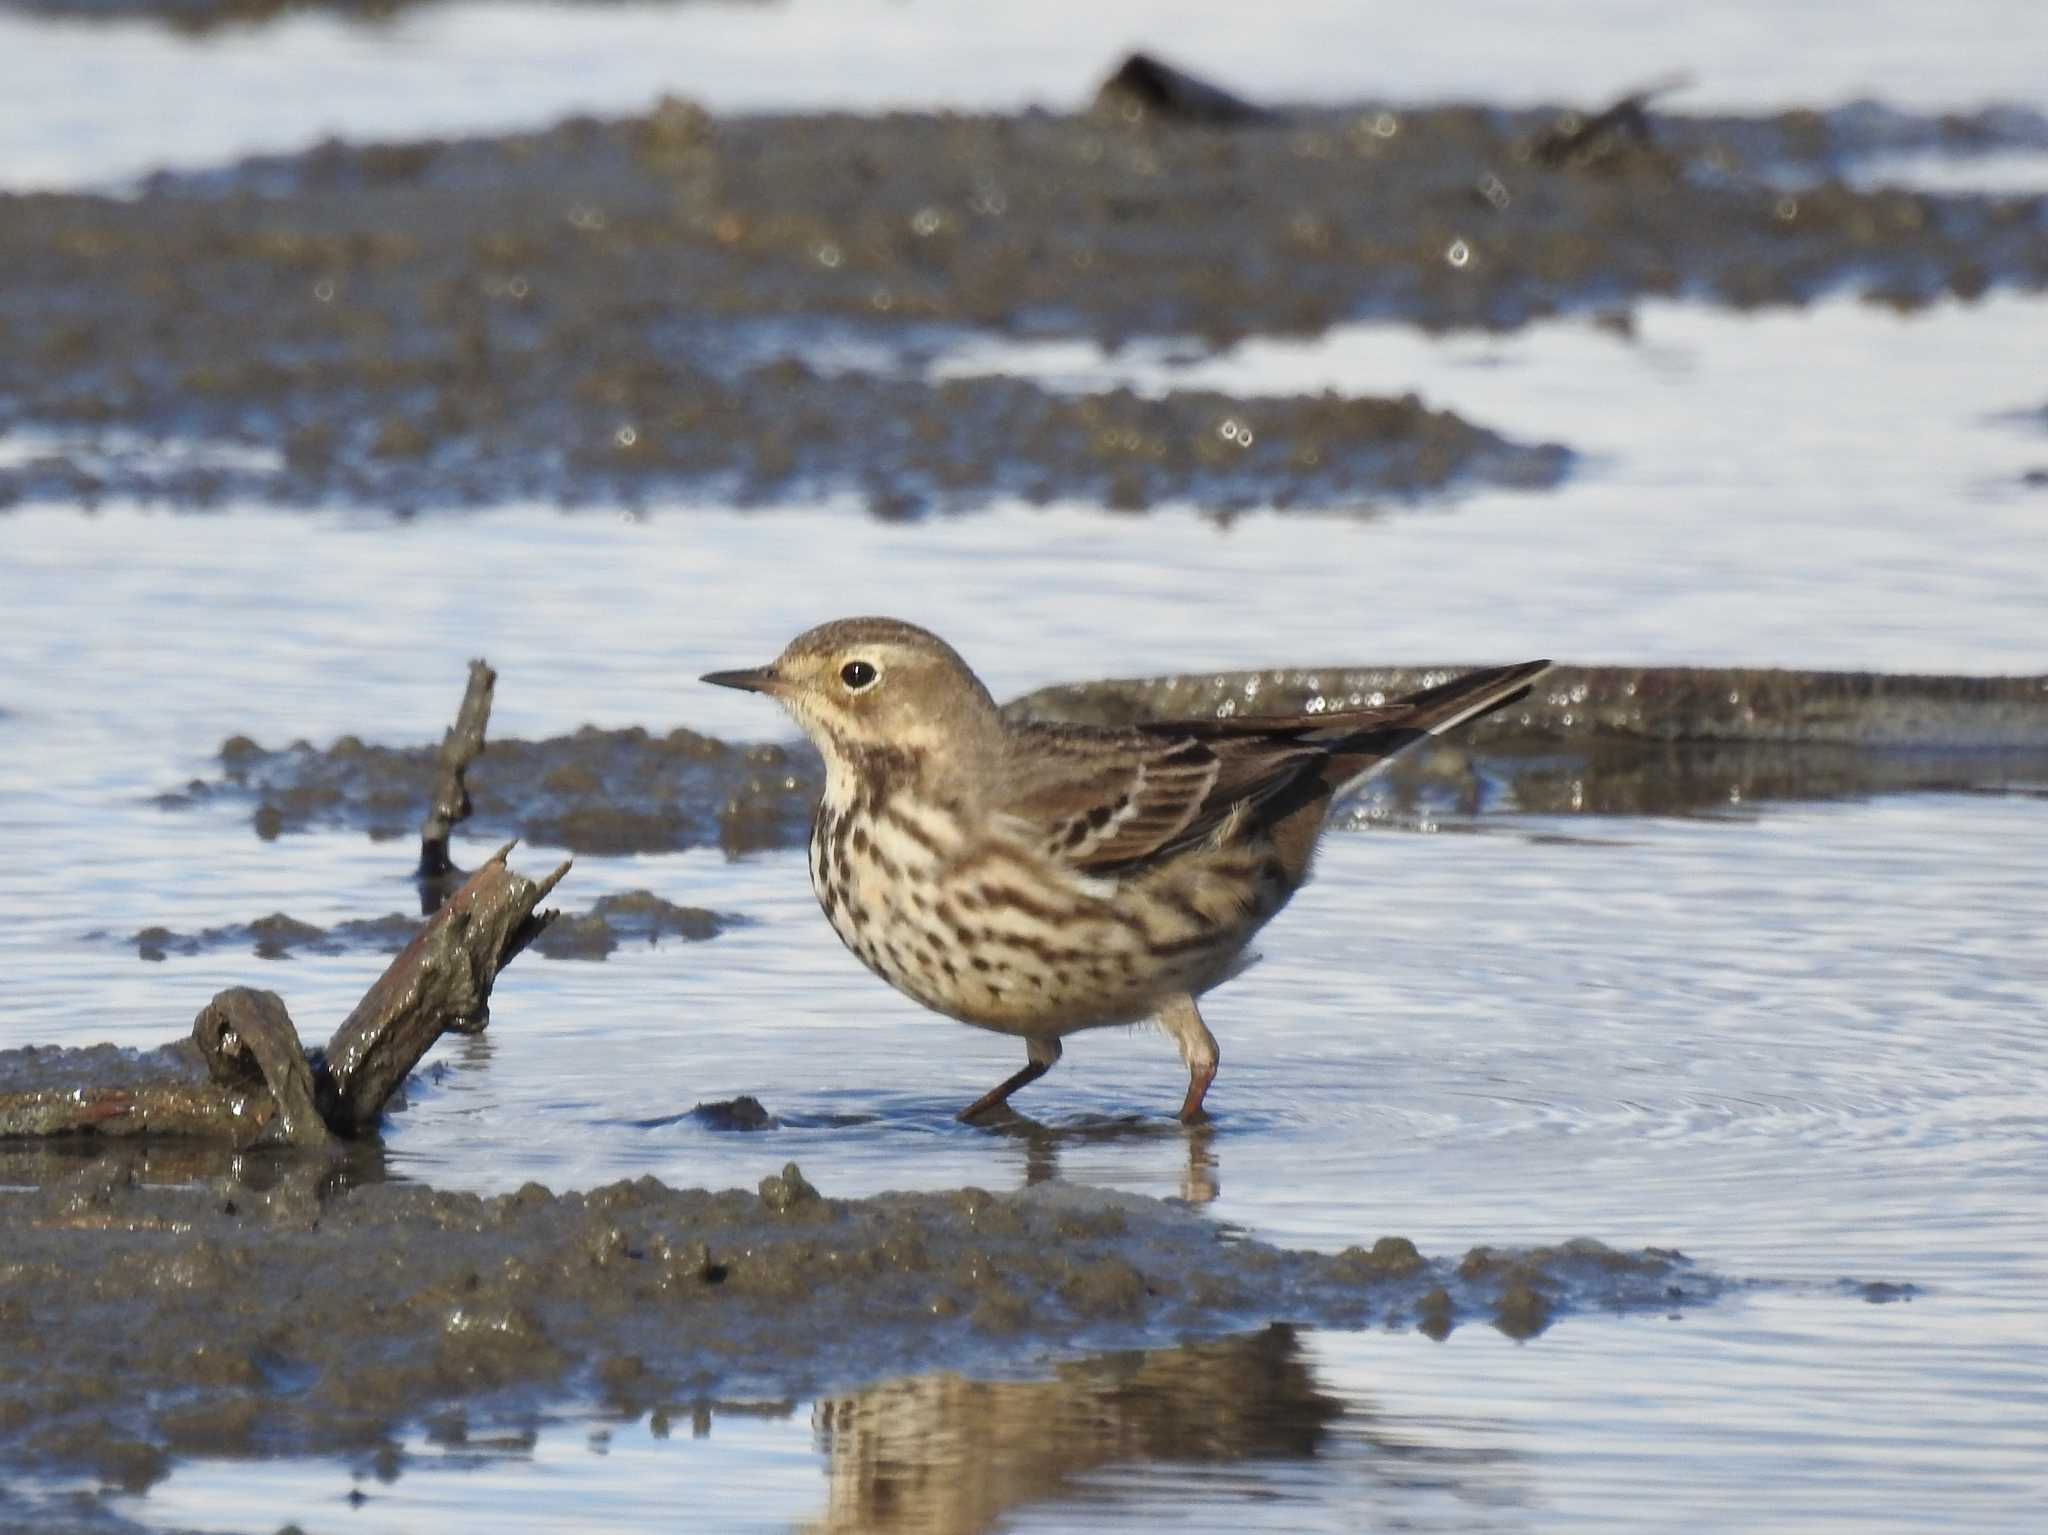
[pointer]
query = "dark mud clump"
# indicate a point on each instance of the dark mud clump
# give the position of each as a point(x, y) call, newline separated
point(279, 936)
point(239, 1317)
point(635, 916)
point(607, 310)
point(1596, 740)
point(742, 1115)
point(596, 791)
point(746, 1114)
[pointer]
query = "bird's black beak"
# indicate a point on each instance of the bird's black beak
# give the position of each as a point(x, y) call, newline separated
point(748, 679)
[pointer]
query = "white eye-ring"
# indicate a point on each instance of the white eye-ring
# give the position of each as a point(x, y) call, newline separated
point(857, 675)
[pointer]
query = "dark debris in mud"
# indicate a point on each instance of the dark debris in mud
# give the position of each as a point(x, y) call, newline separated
point(633, 916)
point(273, 1316)
point(604, 311)
point(1594, 740)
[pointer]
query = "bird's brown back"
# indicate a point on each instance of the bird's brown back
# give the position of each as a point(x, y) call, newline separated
point(1113, 801)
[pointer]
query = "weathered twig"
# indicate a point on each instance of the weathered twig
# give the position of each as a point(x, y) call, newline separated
point(251, 1047)
point(461, 746)
point(442, 980)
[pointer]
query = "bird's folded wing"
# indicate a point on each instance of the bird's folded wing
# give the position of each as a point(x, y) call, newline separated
point(1097, 802)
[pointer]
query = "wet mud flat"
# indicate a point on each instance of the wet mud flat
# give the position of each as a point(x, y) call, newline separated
point(598, 791)
point(610, 922)
point(292, 1310)
point(742, 308)
point(1605, 740)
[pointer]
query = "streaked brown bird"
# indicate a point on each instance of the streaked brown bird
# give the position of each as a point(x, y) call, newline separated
point(1038, 879)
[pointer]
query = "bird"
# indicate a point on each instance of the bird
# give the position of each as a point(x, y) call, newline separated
point(1037, 879)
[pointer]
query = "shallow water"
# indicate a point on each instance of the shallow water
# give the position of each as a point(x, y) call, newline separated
point(1832, 1418)
point(106, 101)
point(1802, 1043)
point(1799, 1043)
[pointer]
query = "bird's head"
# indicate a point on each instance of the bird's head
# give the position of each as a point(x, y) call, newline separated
point(872, 684)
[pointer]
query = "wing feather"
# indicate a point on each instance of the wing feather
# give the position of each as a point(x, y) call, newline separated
point(1100, 800)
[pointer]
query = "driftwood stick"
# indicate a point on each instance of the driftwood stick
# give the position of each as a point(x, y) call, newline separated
point(461, 746)
point(198, 1108)
point(251, 1047)
point(442, 980)
point(245, 1078)
point(261, 1086)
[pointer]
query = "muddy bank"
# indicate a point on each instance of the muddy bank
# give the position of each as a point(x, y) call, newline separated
point(1867, 711)
point(633, 916)
point(273, 1316)
point(1597, 740)
point(1640, 741)
point(742, 309)
point(781, 433)
point(594, 791)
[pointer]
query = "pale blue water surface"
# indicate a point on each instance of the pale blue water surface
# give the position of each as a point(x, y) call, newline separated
point(87, 102)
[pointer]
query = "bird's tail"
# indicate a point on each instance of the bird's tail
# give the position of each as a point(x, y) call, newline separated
point(1386, 732)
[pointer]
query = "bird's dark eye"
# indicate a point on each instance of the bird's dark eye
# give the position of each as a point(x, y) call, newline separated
point(856, 674)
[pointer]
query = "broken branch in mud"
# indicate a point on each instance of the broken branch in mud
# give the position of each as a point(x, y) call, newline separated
point(246, 1077)
point(461, 746)
point(252, 1049)
point(440, 981)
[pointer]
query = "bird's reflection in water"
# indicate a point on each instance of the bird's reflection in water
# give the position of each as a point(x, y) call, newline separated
point(1043, 1143)
point(940, 1454)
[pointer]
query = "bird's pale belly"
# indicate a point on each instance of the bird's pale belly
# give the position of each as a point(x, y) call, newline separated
point(996, 935)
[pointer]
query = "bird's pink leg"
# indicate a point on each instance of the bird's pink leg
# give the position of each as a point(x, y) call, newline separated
point(1042, 1054)
point(1183, 1023)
